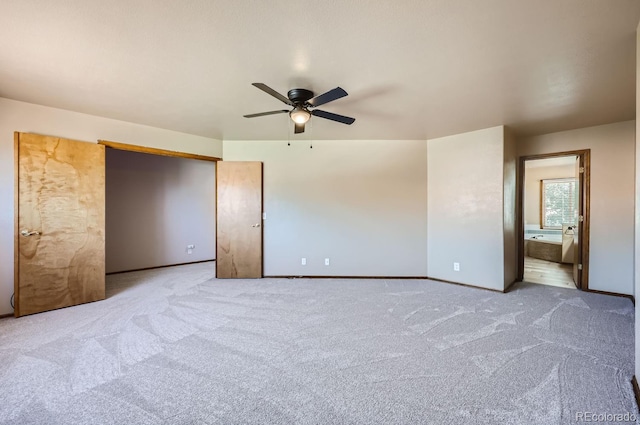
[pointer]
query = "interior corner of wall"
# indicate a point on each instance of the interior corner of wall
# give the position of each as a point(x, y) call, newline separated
point(224, 148)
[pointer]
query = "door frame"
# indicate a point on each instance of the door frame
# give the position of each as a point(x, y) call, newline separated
point(584, 156)
point(155, 151)
point(159, 152)
point(16, 222)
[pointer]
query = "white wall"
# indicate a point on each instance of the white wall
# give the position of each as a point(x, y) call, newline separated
point(26, 117)
point(378, 207)
point(155, 207)
point(361, 203)
point(532, 177)
point(612, 197)
point(466, 208)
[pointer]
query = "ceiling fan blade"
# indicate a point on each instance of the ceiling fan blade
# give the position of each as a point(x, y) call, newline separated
point(265, 88)
point(333, 117)
point(299, 128)
point(262, 114)
point(327, 97)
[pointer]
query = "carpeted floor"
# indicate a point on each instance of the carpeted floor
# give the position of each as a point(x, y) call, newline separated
point(176, 346)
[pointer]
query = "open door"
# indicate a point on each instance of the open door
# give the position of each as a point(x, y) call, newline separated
point(577, 228)
point(239, 219)
point(59, 223)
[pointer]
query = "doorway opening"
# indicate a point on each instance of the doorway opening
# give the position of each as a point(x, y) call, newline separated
point(553, 214)
point(160, 208)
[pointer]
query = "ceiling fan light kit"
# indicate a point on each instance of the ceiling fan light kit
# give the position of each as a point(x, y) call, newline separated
point(300, 115)
point(302, 100)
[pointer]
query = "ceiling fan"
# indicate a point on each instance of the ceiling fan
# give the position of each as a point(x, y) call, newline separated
point(302, 100)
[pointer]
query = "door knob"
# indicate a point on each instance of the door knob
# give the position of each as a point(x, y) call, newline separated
point(256, 225)
point(29, 233)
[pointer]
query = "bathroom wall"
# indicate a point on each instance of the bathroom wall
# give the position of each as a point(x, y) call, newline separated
point(532, 178)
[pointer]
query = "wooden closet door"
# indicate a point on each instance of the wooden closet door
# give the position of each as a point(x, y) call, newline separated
point(60, 223)
point(239, 219)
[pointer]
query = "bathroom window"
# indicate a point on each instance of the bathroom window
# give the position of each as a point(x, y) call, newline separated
point(559, 202)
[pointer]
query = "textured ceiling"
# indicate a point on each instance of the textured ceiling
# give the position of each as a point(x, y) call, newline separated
point(414, 69)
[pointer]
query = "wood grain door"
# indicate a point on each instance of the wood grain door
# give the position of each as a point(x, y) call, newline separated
point(577, 228)
point(60, 222)
point(239, 219)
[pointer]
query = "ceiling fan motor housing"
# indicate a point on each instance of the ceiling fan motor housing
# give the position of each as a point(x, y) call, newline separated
point(299, 96)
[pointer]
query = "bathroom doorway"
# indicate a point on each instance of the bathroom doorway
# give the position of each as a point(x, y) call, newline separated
point(553, 217)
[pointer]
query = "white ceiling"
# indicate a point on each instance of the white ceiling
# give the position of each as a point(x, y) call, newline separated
point(414, 69)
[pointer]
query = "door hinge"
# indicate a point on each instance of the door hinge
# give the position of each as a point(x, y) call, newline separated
point(579, 266)
point(581, 170)
point(581, 218)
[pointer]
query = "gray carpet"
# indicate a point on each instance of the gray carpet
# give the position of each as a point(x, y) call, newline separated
point(175, 346)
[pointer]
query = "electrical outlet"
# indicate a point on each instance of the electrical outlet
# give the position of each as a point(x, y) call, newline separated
point(326, 261)
point(456, 267)
point(303, 261)
point(189, 251)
